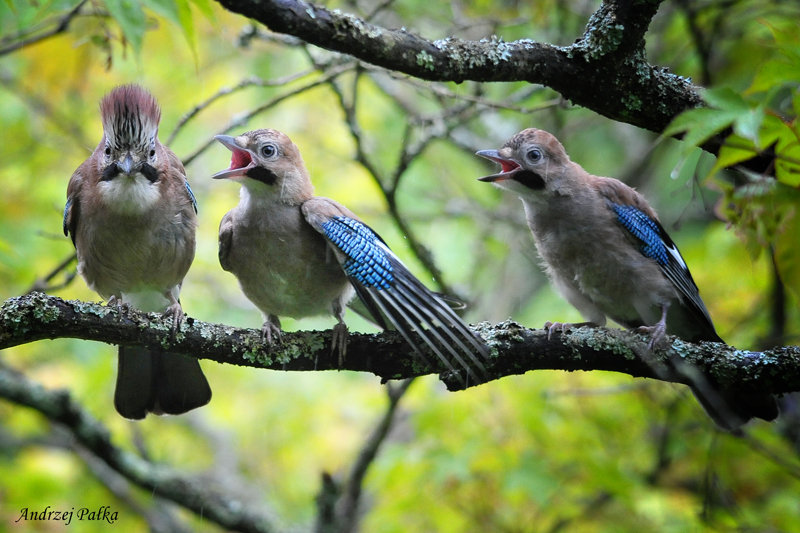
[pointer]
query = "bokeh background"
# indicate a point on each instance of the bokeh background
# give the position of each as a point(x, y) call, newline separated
point(543, 452)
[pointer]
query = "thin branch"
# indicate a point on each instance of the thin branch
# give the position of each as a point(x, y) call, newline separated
point(516, 349)
point(348, 505)
point(252, 81)
point(61, 26)
point(240, 121)
point(43, 284)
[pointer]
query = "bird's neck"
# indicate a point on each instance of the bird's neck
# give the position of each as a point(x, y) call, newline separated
point(129, 195)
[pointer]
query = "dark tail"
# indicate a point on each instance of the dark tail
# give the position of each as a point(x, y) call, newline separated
point(158, 383)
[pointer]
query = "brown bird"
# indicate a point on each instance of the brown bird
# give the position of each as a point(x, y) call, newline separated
point(132, 218)
point(298, 255)
point(606, 252)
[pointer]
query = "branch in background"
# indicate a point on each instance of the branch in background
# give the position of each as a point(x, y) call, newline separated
point(240, 121)
point(252, 81)
point(43, 284)
point(615, 79)
point(61, 25)
point(516, 349)
point(348, 505)
point(193, 492)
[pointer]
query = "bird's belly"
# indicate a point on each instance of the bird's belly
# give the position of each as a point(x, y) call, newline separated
point(133, 262)
point(625, 285)
point(289, 281)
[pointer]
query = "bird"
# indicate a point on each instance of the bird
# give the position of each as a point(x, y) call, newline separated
point(299, 255)
point(606, 252)
point(132, 218)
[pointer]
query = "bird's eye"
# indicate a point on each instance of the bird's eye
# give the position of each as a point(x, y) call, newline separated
point(108, 151)
point(268, 150)
point(152, 153)
point(534, 155)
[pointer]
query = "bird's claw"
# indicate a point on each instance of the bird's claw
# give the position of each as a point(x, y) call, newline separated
point(339, 341)
point(658, 333)
point(556, 326)
point(271, 334)
point(176, 312)
point(123, 307)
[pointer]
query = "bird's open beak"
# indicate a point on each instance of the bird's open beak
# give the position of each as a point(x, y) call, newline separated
point(241, 159)
point(509, 166)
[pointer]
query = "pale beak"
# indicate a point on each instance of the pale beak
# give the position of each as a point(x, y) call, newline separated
point(241, 159)
point(509, 166)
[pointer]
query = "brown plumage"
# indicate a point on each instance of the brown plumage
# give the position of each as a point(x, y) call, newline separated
point(131, 216)
point(298, 255)
point(606, 252)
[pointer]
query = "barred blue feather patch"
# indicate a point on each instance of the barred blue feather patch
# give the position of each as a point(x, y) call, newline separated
point(644, 229)
point(367, 262)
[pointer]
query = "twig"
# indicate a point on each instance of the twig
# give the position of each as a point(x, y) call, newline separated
point(348, 506)
point(252, 81)
point(330, 74)
point(61, 26)
point(42, 284)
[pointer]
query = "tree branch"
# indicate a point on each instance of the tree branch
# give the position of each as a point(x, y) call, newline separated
point(615, 78)
point(191, 492)
point(516, 349)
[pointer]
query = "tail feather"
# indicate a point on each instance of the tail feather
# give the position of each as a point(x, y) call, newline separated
point(158, 383)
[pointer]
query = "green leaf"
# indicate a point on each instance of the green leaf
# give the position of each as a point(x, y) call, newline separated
point(736, 150)
point(726, 99)
point(204, 6)
point(179, 13)
point(130, 17)
point(700, 125)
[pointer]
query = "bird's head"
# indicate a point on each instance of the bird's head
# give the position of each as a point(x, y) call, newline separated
point(128, 180)
point(268, 164)
point(130, 126)
point(533, 162)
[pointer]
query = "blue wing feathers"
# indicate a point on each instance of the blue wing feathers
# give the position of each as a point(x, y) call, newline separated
point(389, 290)
point(645, 229)
point(366, 260)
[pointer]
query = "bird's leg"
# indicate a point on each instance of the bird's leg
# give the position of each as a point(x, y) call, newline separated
point(658, 330)
point(122, 307)
point(174, 310)
point(564, 327)
point(272, 326)
point(340, 333)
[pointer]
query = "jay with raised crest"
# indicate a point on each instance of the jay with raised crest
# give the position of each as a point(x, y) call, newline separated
point(299, 255)
point(132, 218)
point(606, 252)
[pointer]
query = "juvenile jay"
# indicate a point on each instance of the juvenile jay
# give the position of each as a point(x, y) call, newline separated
point(299, 255)
point(132, 218)
point(606, 252)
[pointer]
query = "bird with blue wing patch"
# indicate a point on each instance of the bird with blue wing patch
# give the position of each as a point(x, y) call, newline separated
point(606, 252)
point(298, 255)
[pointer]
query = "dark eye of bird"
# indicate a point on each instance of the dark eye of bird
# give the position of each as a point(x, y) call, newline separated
point(268, 150)
point(152, 153)
point(108, 151)
point(534, 155)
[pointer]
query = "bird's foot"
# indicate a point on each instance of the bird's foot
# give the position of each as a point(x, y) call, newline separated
point(658, 333)
point(123, 307)
point(271, 333)
point(339, 341)
point(176, 312)
point(556, 326)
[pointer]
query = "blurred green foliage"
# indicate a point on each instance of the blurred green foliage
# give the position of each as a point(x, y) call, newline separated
point(547, 451)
